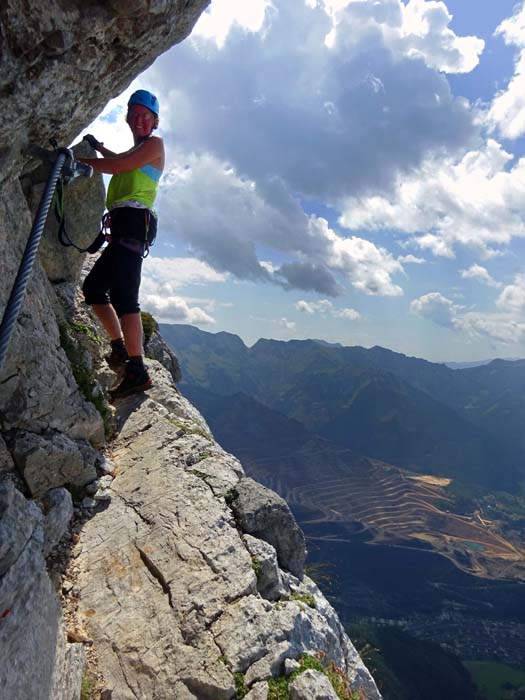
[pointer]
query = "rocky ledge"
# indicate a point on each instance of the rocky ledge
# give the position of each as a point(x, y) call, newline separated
point(190, 578)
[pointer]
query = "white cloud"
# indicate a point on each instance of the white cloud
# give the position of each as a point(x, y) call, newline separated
point(269, 266)
point(480, 273)
point(477, 202)
point(222, 15)
point(348, 314)
point(499, 328)
point(369, 267)
point(507, 112)
point(436, 308)
point(162, 277)
point(417, 29)
point(505, 327)
point(512, 297)
point(285, 324)
point(312, 307)
point(426, 34)
point(324, 306)
point(174, 309)
point(326, 122)
point(227, 235)
point(412, 259)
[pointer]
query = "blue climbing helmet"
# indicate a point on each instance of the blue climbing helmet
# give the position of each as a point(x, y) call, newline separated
point(146, 99)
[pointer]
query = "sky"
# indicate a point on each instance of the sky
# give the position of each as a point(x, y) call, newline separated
point(348, 170)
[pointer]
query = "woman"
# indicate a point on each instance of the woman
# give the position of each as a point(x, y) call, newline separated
point(112, 286)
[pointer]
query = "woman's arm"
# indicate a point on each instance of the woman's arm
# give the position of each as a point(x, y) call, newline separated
point(150, 152)
point(99, 146)
point(106, 153)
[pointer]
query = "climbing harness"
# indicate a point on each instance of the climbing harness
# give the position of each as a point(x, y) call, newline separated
point(66, 168)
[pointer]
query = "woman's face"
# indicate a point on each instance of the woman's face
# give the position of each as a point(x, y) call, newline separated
point(141, 121)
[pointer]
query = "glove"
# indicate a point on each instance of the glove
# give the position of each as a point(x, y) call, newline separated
point(92, 141)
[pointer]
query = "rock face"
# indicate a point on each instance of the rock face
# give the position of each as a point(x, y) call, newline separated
point(264, 514)
point(157, 349)
point(38, 391)
point(175, 610)
point(36, 663)
point(46, 462)
point(312, 685)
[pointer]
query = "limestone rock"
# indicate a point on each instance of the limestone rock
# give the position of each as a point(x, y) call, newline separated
point(37, 389)
point(35, 661)
point(290, 665)
point(173, 610)
point(259, 691)
point(264, 514)
point(58, 506)
point(264, 557)
point(48, 461)
point(17, 522)
point(164, 548)
point(312, 685)
point(6, 461)
point(349, 660)
point(157, 348)
point(69, 670)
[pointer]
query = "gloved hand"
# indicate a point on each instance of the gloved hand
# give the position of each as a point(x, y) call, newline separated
point(92, 141)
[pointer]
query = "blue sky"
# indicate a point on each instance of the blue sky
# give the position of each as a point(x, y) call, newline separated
point(346, 170)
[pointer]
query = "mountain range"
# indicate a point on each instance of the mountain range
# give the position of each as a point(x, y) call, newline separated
point(425, 417)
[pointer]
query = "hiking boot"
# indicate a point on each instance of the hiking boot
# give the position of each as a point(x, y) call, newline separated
point(135, 379)
point(117, 359)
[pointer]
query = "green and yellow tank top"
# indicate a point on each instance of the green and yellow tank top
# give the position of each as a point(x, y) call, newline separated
point(139, 185)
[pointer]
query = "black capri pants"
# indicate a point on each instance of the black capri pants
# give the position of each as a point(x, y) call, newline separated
point(115, 277)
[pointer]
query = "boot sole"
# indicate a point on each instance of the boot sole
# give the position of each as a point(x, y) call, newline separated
point(117, 368)
point(132, 390)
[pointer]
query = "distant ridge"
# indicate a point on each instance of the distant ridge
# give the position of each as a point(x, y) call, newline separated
point(412, 413)
point(478, 363)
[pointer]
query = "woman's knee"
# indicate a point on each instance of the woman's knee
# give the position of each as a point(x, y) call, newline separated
point(92, 292)
point(124, 304)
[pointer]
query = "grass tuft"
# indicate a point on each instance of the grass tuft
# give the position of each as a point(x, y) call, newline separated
point(305, 598)
point(279, 688)
point(87, 688)
point(241, 689)
point(149, 325)
point(83, 375)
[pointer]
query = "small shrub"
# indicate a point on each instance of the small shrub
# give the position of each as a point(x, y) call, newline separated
point(149, 325)
point(279, 688)
point(305, 598)
point(320, 572)
point(86, 688)
point(82, 374)
point(241, 689)
point(256, 566)
point(87, 331)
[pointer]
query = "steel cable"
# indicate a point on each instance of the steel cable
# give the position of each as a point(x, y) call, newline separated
point(18, 291)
